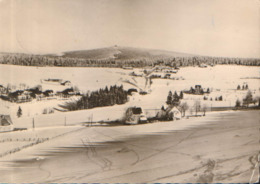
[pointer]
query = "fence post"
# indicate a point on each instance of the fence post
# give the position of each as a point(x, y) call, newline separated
point(91, 119)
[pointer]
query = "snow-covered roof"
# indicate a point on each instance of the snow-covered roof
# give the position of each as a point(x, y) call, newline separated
point(5, 120)
point(175, 109)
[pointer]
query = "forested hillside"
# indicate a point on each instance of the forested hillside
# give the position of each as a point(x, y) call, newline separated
point(119, 57)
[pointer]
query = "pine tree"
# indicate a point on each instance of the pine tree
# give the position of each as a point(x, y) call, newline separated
point(238, 87)
point(169, 98)
point(162, 108)
point(246, 87)
point(19, 112)
point(220, 98)
point(191, 90)
point(176, 99)
point(248, 99)
point(175, 96)
point(181, 95)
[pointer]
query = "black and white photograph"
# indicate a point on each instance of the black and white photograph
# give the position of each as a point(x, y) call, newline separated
point(129, 91)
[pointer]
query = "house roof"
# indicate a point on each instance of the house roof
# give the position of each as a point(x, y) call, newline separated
point(136, 110)
point(66, 82)
point(175, 109)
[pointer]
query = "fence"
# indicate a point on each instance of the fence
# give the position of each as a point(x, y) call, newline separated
point(70, 118)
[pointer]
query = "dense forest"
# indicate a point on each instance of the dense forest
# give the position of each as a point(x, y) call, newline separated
point(100, 98)
point(44, 60)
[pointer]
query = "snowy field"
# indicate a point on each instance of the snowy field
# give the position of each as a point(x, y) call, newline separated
point(222, 80)
point(147, 153)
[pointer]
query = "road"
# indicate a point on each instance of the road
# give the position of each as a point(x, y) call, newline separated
point(224, 148)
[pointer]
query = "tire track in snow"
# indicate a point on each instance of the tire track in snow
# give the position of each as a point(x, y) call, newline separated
point(122, 143)
point(92, 154)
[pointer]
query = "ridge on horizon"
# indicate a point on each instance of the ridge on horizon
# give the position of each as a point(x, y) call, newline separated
point(119, 53)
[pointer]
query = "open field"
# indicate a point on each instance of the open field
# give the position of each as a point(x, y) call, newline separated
point(221, 147)
point(12, 142)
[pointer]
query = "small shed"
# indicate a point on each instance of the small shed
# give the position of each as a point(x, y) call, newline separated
point(6, 123)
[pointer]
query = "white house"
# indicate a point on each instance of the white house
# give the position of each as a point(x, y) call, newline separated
point(175, 113)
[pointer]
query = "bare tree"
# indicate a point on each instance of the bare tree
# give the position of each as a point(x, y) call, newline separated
point(238, 103)
point(197, 107)
point(191, 111)
point(256, 100)
point(204, 109)
point(184, 107)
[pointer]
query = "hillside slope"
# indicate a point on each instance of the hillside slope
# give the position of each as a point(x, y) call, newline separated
point(123, 53)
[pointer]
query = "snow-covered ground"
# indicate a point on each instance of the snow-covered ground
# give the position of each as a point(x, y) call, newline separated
point(53, 132)
point(217, 148)
point(221, 79)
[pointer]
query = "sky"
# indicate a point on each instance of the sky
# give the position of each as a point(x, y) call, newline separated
point(228, 28)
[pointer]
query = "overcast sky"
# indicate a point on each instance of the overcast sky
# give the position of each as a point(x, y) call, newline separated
point(206, 27)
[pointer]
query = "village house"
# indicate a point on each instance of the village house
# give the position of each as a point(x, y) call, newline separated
point(203, 66)
point(48, 93)
point(167, 76)
point(175, 113)
point(6, 123)
point(39, 96)
point(14, 96)
point(2, 89)
point(169, 71)
point(127, 68)
point(135, 115)
point(198, 90)
point(24, 96)
point(169, 113)
point(66, 93)
point(51, 81)
point(66, 83)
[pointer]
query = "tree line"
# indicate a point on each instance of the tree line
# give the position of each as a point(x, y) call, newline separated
point(174, 99)
point(247, 100)
point(100, 98)
point(62, 61)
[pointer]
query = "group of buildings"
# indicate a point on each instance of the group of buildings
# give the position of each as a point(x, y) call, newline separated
point(27, 95)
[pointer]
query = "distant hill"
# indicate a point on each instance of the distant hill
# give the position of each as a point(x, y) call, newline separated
point(124, 53)
point(119, 57)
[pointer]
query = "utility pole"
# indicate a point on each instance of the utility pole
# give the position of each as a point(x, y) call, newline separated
point(65, 121)
point(91, 119)
point(33, 125)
